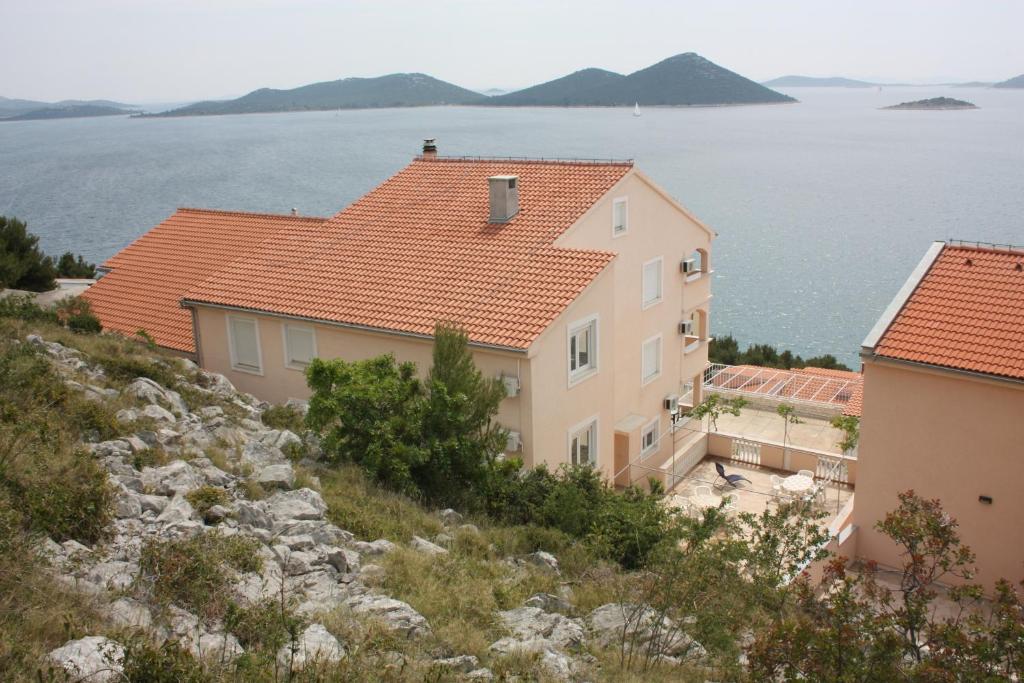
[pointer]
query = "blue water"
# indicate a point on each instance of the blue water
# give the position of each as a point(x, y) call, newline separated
point(822, 208)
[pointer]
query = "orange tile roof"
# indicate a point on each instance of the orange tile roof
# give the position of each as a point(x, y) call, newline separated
point(966, 313)
point(149, 277)
point(419, 249)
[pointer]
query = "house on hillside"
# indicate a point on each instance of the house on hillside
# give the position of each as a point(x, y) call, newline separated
point(943, 404)
point(581, 284)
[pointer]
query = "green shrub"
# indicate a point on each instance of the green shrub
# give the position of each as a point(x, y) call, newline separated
point(76, 314)
point(22, 307)
point(125, 368)
point(70, 266)
point(63, 496)
point(147, 662)
point(265, 626)
point(284, 417)
point(195, 572)
point(205, 497)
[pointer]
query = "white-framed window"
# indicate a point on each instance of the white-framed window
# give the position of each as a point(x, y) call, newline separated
point(652, 282)
point(649, 437)
point(299, 345)
point(583, 443)
point(620, 216)
point(244, 344)
point(582, 349)
point(651, 359)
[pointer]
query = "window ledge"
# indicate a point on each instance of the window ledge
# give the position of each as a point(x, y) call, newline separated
point(699, 275)
point(248, 370)
point(651, 304)
point(644, 382)
point(581, 377)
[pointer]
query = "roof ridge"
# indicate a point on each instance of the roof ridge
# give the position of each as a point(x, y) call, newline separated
point(528, 160)
point(987, 247)
point(193, 209)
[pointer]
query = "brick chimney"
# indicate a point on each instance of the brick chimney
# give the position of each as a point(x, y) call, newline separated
point(429, 149)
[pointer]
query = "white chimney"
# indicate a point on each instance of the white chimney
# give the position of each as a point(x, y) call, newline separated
point(504, 190)
point(429, 149)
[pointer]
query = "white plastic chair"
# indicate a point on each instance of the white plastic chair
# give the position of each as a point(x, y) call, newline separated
point(806, 473)
point(777, 485)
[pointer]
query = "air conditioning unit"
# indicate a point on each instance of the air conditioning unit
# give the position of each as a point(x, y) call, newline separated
point(686, 328)
point(671, 403)
point(515, 442)
point(688, 265)
point(511, 383)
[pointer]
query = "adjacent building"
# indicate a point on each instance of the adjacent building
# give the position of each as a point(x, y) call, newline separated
point(583, 285)
point(943, 404)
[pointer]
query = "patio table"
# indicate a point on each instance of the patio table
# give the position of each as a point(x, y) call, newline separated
point(705, 501)
point(797, 484)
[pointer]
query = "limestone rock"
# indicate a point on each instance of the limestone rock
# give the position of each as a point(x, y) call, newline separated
point(381, 546)
point(424, 546)
point(93, 658)
point(532, 623)
point(178, 510)
point(179, 477)
point(396, 615)
point(549, 603)
point(450, 517)
point(543, 560)
point(158, 413)
point(300, 504)
point(641, 626)
point(314, 645)
point(461, 664)
point(129, 613)
point(277, 476)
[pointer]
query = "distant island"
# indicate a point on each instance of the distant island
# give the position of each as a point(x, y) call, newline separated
point(1015, 82)
point(934, 103)
point(814, 82)
point(29, 110)
point(684, 80)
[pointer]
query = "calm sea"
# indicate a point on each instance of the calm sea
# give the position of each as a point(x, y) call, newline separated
point(822, 208)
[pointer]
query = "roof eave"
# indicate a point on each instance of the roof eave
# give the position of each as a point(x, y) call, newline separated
point(190, 303)
point(901, 298)
point(919, 365)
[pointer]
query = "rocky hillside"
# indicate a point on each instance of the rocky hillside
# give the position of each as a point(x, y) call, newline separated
point(224, 553)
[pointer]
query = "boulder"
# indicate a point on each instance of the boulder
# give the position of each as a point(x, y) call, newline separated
point(532, 623)
point(178, 510)
point(277, 476)
point(158, 413)
point(126, 416)
point(396, 615)
point(543, 560)
point(129, 613)
point(381, 546)
point(344, 560)
point(314, 645)
point(424, 546)
point(127, 504)
point(319, 591)
point(253, 514)
point(179, 477)
point(450, 517)
point(114, 575)
point(200, 642)
point(154, 504)
point(93, 658)
point(292, 505)
point(216, 514)
point(549, 603)
point(260, 455)
point(146, 390)
point(641, 626)
point(117, 447)
point(136, 444)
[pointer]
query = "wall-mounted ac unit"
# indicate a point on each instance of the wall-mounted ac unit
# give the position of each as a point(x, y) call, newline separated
point(671, 403)
point(511, 383)
point(515, 443)
point(688, 265)
point(686, 328)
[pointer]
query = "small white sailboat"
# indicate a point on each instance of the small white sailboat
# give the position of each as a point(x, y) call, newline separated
point(636, 109)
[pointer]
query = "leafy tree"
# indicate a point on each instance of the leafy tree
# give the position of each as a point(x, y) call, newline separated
point(726, 350)
point(789, 417)
point(22, 264)
point(850, 425)
point(715, 405)
point(71, 266)
point(434, 439)
point(369, 413)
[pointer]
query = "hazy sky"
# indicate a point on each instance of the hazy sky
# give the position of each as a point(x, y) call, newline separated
point(174, 50)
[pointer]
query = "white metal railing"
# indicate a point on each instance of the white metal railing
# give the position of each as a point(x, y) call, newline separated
point(787, 385)
point(832, 469)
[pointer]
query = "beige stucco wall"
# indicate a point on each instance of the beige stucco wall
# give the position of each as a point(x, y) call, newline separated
point(947, 436)
point(277, 383)
point(657, 228)
point(548, 408)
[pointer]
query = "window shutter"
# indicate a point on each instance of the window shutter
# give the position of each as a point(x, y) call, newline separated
point(243, 336)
